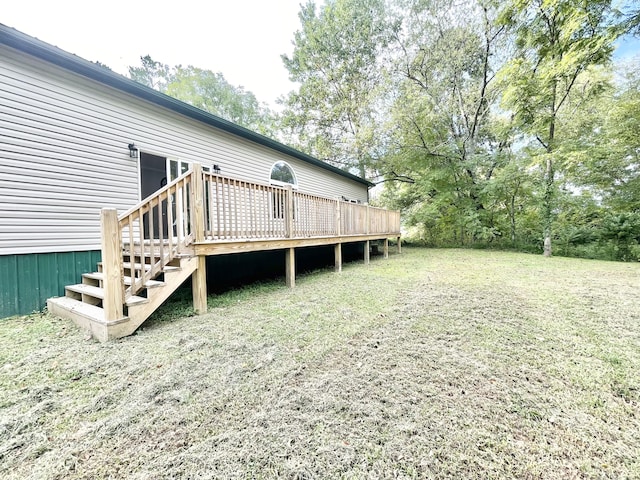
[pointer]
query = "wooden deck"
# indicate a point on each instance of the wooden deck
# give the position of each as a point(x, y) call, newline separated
point(148, 251)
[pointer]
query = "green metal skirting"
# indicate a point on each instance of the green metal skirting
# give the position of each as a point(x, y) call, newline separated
point(26, 281)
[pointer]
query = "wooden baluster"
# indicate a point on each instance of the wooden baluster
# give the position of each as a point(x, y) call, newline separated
point(131, 242)
point(151, 237)
point(209, 197)
point(179, 218)
point(254, 213)
point(160, 231)
point(170, 236)
point(223, 204)
point(141, 254)
point(219, 197)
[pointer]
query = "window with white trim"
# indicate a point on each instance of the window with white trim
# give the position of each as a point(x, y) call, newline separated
point(282, 175)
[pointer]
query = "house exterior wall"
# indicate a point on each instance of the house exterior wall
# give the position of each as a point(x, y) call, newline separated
point(64, 156)
point(27, 281)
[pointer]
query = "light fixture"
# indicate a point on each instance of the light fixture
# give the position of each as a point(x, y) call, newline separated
point(133, 151)
point(216, 168)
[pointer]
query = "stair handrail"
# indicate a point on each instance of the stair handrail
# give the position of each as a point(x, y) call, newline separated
point(143, 222)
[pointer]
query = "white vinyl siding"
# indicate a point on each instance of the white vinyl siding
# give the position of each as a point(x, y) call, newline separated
point(64, 155)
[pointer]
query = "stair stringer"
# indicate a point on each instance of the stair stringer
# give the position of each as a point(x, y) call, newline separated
point(138, 313)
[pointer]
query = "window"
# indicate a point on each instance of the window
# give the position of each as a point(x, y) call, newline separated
point(282, 174)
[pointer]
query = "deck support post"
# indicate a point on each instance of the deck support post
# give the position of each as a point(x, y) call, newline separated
point(337, 253)
point(386, 248)
point(199, 276)
point(367, 248)
point(199, 286)
point(399, 246)
point(290, 266)
point(113, 285)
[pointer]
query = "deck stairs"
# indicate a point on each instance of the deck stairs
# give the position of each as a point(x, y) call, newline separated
point(142, 263)
point(82, 302)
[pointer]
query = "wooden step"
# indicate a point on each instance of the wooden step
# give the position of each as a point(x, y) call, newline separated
point(147, 267)
point(88, 317)
point(127, 280)
point(156, 254)
point(98, 293)
point(81, 288)
point(76, 308)
point(138, 266)
point(135, 300)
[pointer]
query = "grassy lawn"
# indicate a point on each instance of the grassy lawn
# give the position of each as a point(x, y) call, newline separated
point(432, 364)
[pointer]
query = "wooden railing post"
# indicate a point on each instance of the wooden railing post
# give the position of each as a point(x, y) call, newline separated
point(113, 280)
point(288, 211)
point(199, 276)
point(197, 201)
point(338, 219)
point(368, 219)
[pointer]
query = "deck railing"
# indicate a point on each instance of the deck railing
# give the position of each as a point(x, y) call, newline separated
point(242, 210)
point(203, 206)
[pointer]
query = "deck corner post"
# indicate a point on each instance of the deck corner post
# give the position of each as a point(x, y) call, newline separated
point(367, 248)
point(290, 267)
point(199, 286)
point(288, 212)
point(386, 248)
point(337, 251)
point(399, 246)
point(197, 197)
point(111, 250)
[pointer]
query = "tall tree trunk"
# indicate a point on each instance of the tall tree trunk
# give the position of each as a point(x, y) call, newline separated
point(512, 218)
point(547, 207)
point(549, 176)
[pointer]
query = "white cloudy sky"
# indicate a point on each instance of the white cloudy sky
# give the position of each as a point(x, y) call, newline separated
point(243, 39)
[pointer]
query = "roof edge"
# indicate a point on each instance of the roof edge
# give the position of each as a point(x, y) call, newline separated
point(52, 54)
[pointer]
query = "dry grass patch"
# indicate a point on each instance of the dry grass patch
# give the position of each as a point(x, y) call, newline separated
point(435, 363)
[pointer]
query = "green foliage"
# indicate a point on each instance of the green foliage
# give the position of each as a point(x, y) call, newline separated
point(490, 124)
point(558, 41)
point(336, 63)
point(208, 91)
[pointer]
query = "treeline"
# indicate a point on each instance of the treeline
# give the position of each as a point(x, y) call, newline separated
point(499, 124)
point(489, 123)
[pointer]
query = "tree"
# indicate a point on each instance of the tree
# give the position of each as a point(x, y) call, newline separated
point(336, 61)
point(559, 40)
point(445, 133)
point(153, 74)
point(207, 91)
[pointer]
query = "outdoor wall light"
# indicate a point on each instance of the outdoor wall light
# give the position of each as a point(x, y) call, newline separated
point(133, 151)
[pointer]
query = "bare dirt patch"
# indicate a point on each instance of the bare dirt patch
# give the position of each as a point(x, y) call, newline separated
point(432, 364)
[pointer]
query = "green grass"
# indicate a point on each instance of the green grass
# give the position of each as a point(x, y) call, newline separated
point(432, 364)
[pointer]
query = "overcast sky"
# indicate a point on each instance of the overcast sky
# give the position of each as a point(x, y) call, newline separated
point(243, 39)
